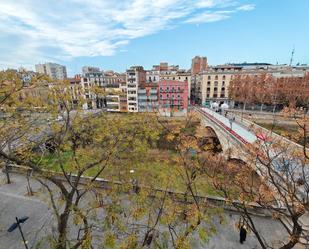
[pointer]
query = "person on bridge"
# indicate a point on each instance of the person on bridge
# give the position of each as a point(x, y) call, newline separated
point(231, 122)
point(242, 234)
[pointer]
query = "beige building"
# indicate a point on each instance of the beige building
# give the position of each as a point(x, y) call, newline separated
point(212, 84)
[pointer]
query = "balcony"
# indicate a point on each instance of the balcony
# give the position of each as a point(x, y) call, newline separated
point(153, 97)
point(112, 104)
point(153, 91)
point(142, 91)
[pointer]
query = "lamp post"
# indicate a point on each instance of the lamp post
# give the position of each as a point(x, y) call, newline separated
point(135, 183)
point(17, 225)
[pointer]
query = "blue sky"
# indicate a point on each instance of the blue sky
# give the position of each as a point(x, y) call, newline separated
point(118, 34)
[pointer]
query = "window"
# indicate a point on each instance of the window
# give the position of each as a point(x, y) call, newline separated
point(216, 77)
point(209, 77)
point(216, 89)
point(216, 83)
point(223, 83)
point(215, 95)
point(173, 78)
point(223, 77)
point(186, 78)
point(167, 95)
point(167, 88)
point(178, 96)
point(208, 83)
point(208, 89)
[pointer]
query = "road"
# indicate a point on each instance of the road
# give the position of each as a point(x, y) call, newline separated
point(15, 202)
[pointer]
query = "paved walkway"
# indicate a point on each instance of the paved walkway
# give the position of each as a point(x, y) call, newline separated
point(238, 129)
point(15, 202)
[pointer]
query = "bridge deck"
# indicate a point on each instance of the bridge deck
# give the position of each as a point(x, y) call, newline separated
point(239, 132)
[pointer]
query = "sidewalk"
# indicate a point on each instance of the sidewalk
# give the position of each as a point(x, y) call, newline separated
point(238, 129)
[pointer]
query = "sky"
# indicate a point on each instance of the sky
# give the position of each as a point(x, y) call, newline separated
point(116, 34)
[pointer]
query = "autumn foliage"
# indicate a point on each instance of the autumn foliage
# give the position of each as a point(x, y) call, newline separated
point(267, 89)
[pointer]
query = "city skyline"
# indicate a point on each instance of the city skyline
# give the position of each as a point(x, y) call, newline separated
point(145, 34)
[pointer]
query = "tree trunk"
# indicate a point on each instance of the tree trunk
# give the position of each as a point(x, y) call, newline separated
point(62, 230)
point(62, 226)
point(297, 230)
point(8, 179)
point(261, 107)
point(30, 192)
point(243, 109)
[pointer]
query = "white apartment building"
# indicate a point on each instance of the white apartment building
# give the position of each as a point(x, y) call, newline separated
point(135, 77)
point(89, 80)
point(53, 70)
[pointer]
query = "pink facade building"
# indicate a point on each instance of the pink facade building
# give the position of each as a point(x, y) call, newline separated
point(173, 96)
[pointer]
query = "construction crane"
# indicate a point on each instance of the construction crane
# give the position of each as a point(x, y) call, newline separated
point(292, 55)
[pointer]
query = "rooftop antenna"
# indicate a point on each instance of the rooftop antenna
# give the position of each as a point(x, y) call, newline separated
point(292, 55)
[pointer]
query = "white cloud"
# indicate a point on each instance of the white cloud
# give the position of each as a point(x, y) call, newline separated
point(246, 7)
point(207, 17)
point(32, 31)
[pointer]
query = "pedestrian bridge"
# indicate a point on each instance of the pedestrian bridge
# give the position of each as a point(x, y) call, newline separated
point(234, 138)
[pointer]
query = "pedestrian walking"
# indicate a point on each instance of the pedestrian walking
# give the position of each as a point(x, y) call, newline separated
point(231, 122)
point(242, 234)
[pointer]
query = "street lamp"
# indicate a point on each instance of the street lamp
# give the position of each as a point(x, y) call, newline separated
point(17, 225)
point(135, 183)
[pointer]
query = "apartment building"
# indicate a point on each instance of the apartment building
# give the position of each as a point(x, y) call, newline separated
point(92, 80)
point(113, 97)
point(148, 100)
point(173, 98)
point(53, 70)
point(75, 90)
point(135, 76)
point(153, 75)
point(198, 65)
point(111, 77)
point(163, 71)
point(212, 84)
point(89, 70)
